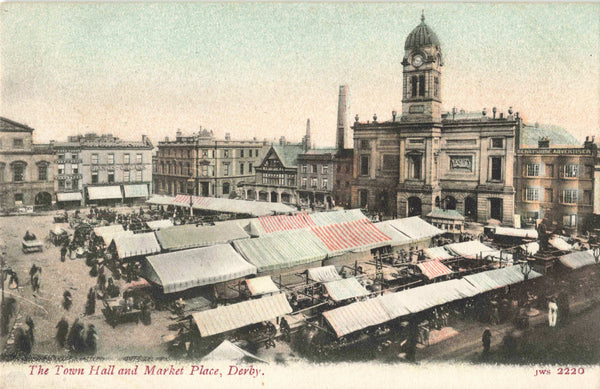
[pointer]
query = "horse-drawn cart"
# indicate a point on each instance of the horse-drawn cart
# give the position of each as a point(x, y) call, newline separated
point(32, 246)
point(117, 311)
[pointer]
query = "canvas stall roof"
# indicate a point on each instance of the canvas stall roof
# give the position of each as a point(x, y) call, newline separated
point(244, 223)
point(261, 285)
point(228, 351)
point(335, 217)
point(437, 253)
point(359, 234)
point(356, 316)
point(345, 288)
point(469, 249)
point(282, 250)
point(159, 224)
point(324, 274)
point(516, 232)
point(398, 238)
point(433, 269)
point(187, 269)
point(271, 224)
point(498, 278)
point(190, 236)
point(559, 243)
point(112, 229)
point(160, 200)
point(449, 214)
point(136, 244)
point(104, 192)
point(230, 317)
point(532, 248)
point(71, 196)
point(137, 190)
point(416, 228)
point(254, 208)
point(578, 259)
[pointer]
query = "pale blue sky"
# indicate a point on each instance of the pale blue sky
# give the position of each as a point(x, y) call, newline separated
point(263, 69)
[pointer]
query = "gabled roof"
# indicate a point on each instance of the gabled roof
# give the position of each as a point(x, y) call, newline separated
point(287, 154)
point(11, 126)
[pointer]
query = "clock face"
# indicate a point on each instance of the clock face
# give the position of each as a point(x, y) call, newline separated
point(417, 60)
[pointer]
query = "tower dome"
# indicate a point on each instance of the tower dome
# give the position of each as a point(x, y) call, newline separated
point(421, 36)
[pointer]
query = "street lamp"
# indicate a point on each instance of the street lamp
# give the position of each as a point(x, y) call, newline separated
point(526, 266)
point(596, 252)
point(190, 182)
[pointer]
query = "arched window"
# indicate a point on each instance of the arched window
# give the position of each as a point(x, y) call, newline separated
point(18, 171)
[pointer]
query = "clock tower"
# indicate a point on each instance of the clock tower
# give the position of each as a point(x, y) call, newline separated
point(422, 72)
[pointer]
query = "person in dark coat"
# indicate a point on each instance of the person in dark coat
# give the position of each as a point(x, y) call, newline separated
point(63, 253)
point(30, 327)
point(90, 305)
point(67, 300)
point(75, 338)
point(91, 340)
point(112, 290)
point(146, 315)
point(486, 339)
point(23, 344)
point(62, 329)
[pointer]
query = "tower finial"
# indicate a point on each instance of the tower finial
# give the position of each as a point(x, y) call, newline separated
point(422, 16)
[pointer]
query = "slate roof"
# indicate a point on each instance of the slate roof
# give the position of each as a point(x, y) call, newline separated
point(12, 126)
point(288, 154)
point(530, 134)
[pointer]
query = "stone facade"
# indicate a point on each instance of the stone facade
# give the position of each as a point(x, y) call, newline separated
point(316, 178)
point(218, 168)
point(26, 169)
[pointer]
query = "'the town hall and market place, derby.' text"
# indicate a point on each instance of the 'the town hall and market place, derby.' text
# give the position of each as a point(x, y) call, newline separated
point(155, 370)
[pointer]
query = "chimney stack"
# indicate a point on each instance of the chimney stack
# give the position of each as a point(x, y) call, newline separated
point(306, 140)
point(227, 136)
point(343, 131)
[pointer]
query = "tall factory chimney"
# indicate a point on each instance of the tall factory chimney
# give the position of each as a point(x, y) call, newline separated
point(343, 131)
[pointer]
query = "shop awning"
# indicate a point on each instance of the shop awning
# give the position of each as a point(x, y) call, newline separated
point(228, 351)
point(433, 269)
point(138, 190)
point(398, 238)
point(159, 224)
point(348, 236)
point(560, 243)
point(190, 236)
point(104, 192)
point(516, 232)
point(282, 250)
point(334, 217)
point(134, 245)
point(344, 289)
point(230, 317)
point(284, 222)
point(438, 253)
point(188, 269)
point(470, 249)
point(323, 274)
point(71, 196)
point(215, 204)
point(160, 200)
point(261, 285)
point(498, 278)
point(415, 228)
point(357, 316)
point(578, 259)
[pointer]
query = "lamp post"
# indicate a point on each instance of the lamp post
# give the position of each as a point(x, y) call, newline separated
point(596, 252)
point(190, 182)
point(526, 266)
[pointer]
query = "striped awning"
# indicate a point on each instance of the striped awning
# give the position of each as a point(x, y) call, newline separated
point(185, 200)
point(434, 269)
point(344, 289)
point(230, 317)
point(323, 274)
point(104, 192)
point(284, 222)
point(351, 235)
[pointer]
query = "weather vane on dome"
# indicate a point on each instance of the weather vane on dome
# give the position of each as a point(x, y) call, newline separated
point(423, 16)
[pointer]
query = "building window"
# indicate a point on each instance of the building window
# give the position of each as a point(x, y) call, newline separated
point(364, 165)
point(225, 153)
point(436, 86)
point(304, 168)
point(291, 181)
point(569, 196)
point(414, 83)
point(138, 158)
point(548, 195)
point(363, 197)
point(205, 170)
point(111, 158)
point(325, 183)
point(532, 170)
point(314, 169)
point(61, 184)
point(111, 176)
point(18, 143)
point(313, 182)
point(61, 168)
point(497, 143)
point(325, 169)
point(226, 188)
point(241, 153)
point(421, 85)
point(139, 175)
point(75, 182)
point(250, 168)
point(570, 170)
point(18, 172)
point(532, 194)
point(415, 167)
point(126, 158)
point(587, 197)
point(549, 170)
point(42, 172)
point(205, 153)
point(241, 168)
point(365, 144)
point(496, 169)
point(95, 177)
point(126, 176)
point(94, 159)
point(61, 157)
point(19, 198)
point(570, 220)
point(304, 182)
point(225, 169)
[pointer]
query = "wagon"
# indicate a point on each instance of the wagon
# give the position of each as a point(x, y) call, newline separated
point(58, 235)
point(32, 246)
point(116, 312)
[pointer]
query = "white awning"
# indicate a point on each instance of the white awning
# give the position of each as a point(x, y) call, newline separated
point(135, 245)
point(345, 288)
point(104, 192)
point(138, 190)
point(158, 224)
point(230, 317)
point(323, 274)
point(261, 285)
point(71, 196)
